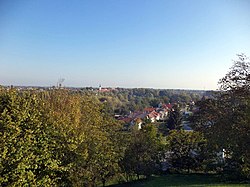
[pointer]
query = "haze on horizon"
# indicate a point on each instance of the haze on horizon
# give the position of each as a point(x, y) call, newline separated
point(122, 43)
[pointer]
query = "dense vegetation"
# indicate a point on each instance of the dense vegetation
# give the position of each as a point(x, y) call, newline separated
point(65, 138)
point(225, 119)
point(55, 138)
point(123, 100)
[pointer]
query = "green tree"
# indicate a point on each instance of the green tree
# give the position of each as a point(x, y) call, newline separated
point(90, 144)
point(224, 119)
point(143, 153)
point(27, 143)
point(185, 149)
point(56, 138)
point(175, 118)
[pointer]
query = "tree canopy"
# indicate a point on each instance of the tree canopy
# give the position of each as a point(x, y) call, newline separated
point(224, 119)
point(56, 138)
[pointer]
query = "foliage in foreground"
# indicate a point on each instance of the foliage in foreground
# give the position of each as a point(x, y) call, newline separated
point(185, 149)
point(143, 152)
point(55, 139)
point(225, 119)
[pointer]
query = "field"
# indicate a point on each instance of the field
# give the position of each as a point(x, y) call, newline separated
point(182, 180)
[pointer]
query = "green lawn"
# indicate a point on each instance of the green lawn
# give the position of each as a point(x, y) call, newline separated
point(181, 180)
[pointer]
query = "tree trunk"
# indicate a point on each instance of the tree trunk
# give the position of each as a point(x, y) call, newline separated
point(103, 182)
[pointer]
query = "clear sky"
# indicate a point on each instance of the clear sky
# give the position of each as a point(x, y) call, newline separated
point(182, 44)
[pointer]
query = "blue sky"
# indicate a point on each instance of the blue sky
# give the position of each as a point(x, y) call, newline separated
point(121, 43)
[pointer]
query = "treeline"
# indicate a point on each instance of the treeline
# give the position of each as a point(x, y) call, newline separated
point(121, 100)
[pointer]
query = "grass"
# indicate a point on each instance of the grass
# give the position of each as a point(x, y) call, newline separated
point(191, 180)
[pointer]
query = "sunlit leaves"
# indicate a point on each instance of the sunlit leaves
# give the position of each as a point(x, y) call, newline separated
point(55, 138)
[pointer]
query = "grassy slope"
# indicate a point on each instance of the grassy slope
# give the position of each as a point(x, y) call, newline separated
point(180, 180)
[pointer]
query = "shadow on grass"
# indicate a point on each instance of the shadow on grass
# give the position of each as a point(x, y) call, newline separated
point(175, 180)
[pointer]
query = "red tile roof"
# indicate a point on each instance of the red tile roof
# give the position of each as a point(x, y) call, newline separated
point(149, 109)
point(126, 120)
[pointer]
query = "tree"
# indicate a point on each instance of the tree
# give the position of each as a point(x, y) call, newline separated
point(27, 143)
point(224, 119)
point(143, 153)
point(56, 138)
point(90, 138)
point(238, 78)
point(175, 118)
point(185, 148)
